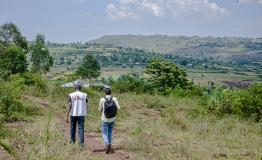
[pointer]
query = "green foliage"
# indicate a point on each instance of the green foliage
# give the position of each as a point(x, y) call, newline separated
point(13, 49)
point(129, 83)
point(11, 35)
point(193, 91)
point(40, 58)
point(29, 79)
point(10, 149)
point(166, 76)
point(243, 103)
point(89, 68)
point(12, 108)
point(12, 61)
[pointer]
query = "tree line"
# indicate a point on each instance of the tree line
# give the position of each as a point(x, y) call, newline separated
point(17, 56)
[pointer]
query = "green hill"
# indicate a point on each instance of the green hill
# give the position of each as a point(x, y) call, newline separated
point(217, 47)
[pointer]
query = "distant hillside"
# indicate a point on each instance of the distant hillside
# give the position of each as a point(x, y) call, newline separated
point(187, 46)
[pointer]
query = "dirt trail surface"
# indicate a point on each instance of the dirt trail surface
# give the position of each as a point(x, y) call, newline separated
point(4, 154)
point(93, 140)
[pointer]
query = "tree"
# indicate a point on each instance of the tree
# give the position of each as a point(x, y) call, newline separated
point(165, 75)
point(40, 58)
point(12, 61)
point(13, 49)
point(11, 35)
point(89, 68)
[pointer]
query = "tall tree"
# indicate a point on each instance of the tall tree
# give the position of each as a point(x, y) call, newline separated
point(13, 49)
point(40, 57)
point(11, 35)
point(165, 75)
point(12, 61)
point(89, 68)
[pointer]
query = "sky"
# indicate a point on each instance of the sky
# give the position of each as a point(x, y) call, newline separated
point(84, 20)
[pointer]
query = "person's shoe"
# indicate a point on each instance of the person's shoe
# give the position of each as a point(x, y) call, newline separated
point(108, 146)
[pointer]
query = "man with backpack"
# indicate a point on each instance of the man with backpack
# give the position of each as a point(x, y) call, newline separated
point(77, 109)
point(108, 106)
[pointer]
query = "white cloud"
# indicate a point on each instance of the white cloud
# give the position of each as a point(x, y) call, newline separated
point(134, 9)
point(245, 1)
point(203, 9)
point(128, 1)
point(154, 8)
point(120, 12)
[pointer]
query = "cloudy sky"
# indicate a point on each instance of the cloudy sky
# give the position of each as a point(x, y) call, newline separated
point(83, 20)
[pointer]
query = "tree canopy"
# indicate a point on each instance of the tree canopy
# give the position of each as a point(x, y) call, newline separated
point(12, 61)
point(40, 58)
point(165, 75)
point(10, 35)
point(13, 49)
point(89, 68)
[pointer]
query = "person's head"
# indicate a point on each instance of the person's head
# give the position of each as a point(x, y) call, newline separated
point(107, 90)
point(78, 85)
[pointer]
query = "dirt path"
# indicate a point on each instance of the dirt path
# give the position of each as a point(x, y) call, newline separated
point(4, 154)
point(93, 140)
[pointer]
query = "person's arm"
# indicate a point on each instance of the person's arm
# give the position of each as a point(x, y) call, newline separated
point(87, 104)
point(100, 107)
point(69, 109)
point(117, 104)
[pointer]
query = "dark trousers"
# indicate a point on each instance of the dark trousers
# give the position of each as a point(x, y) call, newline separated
point(80, 121)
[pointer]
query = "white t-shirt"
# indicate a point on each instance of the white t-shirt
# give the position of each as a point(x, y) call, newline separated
point(101, 108)
point(79, 103)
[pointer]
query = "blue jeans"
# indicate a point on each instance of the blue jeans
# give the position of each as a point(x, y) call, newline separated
point(80, 121)
point(107, 128)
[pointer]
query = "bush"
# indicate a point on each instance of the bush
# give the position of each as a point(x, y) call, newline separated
point(166, 76)
point(134, 83)
point(193, 91)
point(246, 103)
point(28, 79)
point(12, 61)
point(129, 83)
point(11, 107)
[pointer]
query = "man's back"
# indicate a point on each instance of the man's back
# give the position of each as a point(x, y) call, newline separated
point(101, 108)
point(79, 103)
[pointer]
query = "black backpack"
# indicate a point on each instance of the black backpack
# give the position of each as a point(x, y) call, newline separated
point(110, 108)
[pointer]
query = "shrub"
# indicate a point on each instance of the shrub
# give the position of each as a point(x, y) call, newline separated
point(129, 83)
point(193, 91)
point(34, 83)
point(244, 103)
point(12, 61)
point(166, 76)
point(11, 107)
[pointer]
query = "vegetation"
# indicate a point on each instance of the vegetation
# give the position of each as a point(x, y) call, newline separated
point(40, 58)
point(243, 103)
point(13, 50)
point(165, 76)
point(12, 61)
point(170, 44)
point(11, 35)
point(89, 68)
point(12, 107)
point(163, 115)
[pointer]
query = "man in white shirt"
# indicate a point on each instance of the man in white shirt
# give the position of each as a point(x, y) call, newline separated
point(109, 107)
point(77, 109)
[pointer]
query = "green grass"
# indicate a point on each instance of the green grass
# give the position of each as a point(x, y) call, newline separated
point(152, 127)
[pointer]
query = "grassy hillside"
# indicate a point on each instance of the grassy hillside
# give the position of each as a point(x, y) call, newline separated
point(147, 127)
point(116, 61)
point(183, 45)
